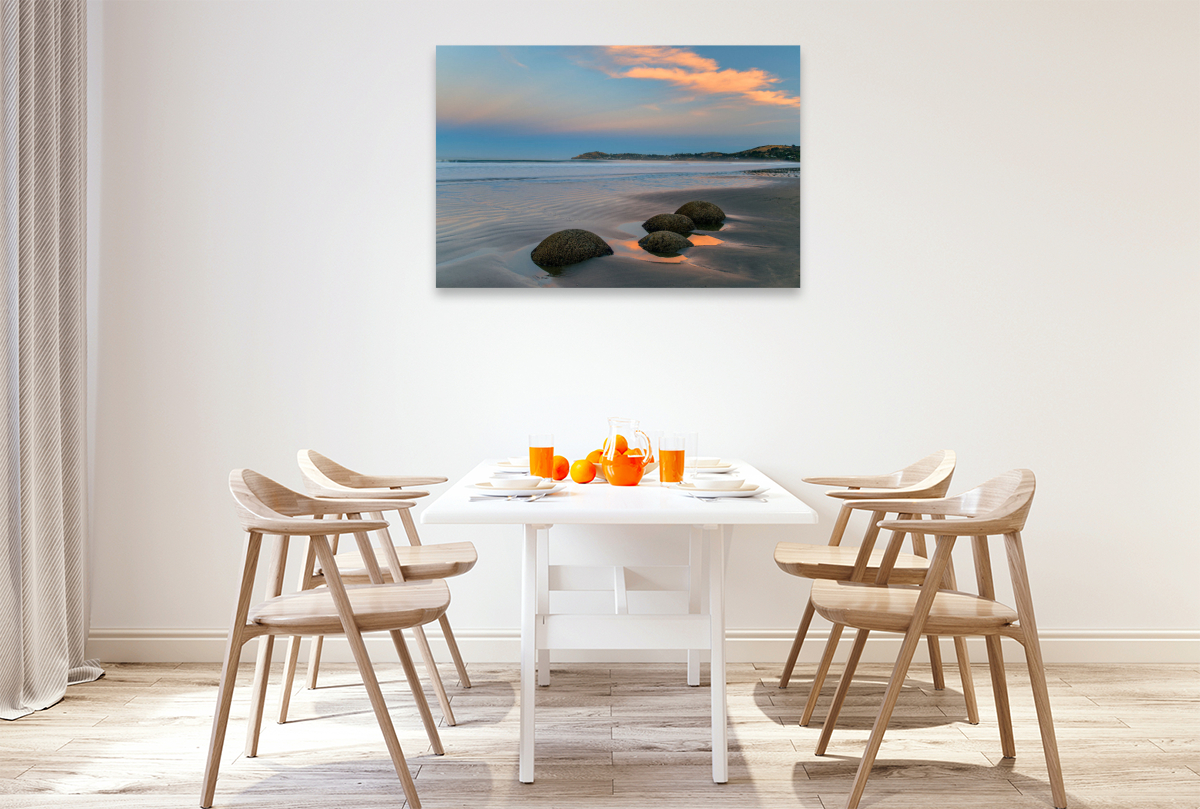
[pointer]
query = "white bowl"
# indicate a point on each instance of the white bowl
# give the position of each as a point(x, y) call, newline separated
point(722, 483)
point(519, 461)
point(518, 482)
point(700, 463)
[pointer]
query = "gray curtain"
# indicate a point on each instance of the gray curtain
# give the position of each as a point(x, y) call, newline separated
point(43, 496)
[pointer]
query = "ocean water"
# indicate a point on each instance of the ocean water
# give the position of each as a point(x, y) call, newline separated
point(657, 173)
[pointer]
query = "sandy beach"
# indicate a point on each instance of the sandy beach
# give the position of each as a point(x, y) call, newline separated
point(486, 231)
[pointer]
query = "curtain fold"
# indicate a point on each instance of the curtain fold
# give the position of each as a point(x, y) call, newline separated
point(43, 494)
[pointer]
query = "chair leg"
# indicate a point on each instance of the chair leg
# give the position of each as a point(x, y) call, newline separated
point(895, 685)
point(464, 679)
point(964, 658)
point(414, 684)
point(790, 663)
point(262, 666)
point(1037, 669)
point(1008, 742)
point(968, 682)
point(839, 697)
point(367, 672)
point(434, 676)
point(314, 661)
point(835, 634)
point(289, 676)
point(935, 647)
point(374, 693)
point(220, 721)
point(258, 694)
point(912, 638)
point(935, 662)
point(233, 651)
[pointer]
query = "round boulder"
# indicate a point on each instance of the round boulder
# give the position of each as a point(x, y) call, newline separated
point(702, 213)
point(569, 247)
point(669, 221)
point(663, 241)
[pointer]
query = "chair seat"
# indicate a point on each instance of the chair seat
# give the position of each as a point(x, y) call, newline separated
point(376, 607)
point(417, 562)
point(837, 563)
point(889, 608)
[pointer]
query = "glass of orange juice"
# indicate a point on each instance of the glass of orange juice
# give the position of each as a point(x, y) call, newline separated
point(671, 448)
point(541, 454)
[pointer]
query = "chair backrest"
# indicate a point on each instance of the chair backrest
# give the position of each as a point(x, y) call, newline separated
point(324, 477)
point(260, 500)
point(1003, 501)
point(928, 477)
point(322, 473)
point(932, 470)
point(999, 506)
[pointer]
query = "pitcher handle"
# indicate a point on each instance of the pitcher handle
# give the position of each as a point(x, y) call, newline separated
point(649, 446)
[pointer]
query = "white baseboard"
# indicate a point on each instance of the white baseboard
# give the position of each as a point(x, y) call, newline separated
point(742, 646)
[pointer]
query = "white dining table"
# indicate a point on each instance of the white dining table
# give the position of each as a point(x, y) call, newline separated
point(597, 503)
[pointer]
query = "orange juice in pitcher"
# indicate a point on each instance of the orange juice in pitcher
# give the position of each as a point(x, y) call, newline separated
point(628, 453)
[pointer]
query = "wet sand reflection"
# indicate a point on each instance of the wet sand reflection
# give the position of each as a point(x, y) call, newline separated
point(632, 249)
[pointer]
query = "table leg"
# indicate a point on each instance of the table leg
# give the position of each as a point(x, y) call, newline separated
point(529, 598)
point(716, 609)
point(695, 565)
point(543, 599)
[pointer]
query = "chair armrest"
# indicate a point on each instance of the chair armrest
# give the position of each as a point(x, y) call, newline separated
point(360, 494)
point(397, 481)
point(348, 505)
point(308, 528)
point(915, 505)
point(949, 528)
point(855, 481)
point(878, 494)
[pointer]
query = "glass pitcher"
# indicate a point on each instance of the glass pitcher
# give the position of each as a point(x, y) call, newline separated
point(628, 453)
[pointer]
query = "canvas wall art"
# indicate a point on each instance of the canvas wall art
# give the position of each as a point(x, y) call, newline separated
point(623, 166)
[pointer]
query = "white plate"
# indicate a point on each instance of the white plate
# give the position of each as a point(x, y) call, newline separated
point(747, 490)
point(498, 489)
point(709, 470)
point(708, 465)
point(509, 466)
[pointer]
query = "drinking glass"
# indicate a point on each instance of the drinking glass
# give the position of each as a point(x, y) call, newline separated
point(541, 454)
point(671, 455)
point(691, 450)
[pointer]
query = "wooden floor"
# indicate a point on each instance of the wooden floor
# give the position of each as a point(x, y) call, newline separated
point(610, 736)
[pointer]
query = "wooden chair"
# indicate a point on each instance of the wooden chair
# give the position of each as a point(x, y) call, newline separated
point(406, 563)
point(998, 507)
point(264, 507)
point(928, 477)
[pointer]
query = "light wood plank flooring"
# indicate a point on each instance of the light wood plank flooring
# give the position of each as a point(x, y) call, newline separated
point(610, 736)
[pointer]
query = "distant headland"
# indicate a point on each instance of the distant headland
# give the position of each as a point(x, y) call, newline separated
point(757, 153)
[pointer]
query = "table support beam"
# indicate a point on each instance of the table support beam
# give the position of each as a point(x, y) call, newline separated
point(529, 603)
point(716, 608)
point(695, 594)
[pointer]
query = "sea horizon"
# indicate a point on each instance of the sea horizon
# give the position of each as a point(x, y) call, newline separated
point(449, 172)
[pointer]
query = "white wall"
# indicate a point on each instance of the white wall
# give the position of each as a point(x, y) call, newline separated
point(1000, 256)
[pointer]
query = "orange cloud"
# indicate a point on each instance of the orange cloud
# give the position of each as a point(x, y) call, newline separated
point(689, 70)
point(638, 54)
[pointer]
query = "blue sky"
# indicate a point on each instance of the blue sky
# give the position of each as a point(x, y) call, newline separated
point(556, 102)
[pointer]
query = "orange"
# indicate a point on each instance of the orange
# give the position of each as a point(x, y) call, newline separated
point(622, 444)
point(594, 455)
point(560, 467)
point(635, 451)
point(583, 471)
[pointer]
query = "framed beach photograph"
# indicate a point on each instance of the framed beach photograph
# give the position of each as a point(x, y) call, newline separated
point(622, 166)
